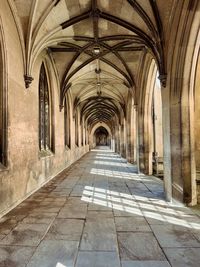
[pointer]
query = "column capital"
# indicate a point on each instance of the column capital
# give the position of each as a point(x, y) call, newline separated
point(28, 80)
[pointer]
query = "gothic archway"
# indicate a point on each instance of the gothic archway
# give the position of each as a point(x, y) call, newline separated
point(101, 137)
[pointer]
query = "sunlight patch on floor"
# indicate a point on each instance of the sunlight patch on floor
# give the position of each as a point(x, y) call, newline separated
point(129, 203)
point(109, 163)
point(60, 265)
point(118, 174)
point(106, 158)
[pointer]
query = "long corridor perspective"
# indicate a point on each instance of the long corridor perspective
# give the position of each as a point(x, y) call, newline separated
point(100, 212)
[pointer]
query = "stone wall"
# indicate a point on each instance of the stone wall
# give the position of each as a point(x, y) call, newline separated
point(26, 170)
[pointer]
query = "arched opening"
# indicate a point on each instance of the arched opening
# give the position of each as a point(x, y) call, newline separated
point(3, 119)
point(82, 132)
point(101, 137)
point(86, 135)
point(131, 132)
point(76, 125)
point(150, 135)
point(45, 111)
point(197, 124)
point(190, 125)
point(157, 135)
point(67, 124)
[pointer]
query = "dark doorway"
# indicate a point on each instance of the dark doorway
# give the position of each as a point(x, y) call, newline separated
point(101, 136)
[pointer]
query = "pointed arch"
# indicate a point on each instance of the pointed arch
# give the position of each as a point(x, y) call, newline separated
point(45, 112)
point(67, 128)
point(3, 101)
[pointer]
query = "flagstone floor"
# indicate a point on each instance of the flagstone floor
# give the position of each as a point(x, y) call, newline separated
point(100, 213)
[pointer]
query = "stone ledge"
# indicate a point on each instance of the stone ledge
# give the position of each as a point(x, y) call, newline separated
point(45, 154)
point(3, 168)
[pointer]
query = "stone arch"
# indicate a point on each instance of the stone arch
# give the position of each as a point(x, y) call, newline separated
point(179, 97)
point(148, 137)
point(188, 118)
point(3, 100)
point(94, 128)
point(101, 124)
point(67, 122)
point(47, 83)
point(145, 117)
point(101, 136)
point(196, 124)
point(131, 130)
point(53, 87)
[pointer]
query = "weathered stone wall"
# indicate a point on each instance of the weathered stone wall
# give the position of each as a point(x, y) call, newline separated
point(26, 171)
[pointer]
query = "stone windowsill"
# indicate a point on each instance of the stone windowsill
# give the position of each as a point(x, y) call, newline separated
point(45, 154)
point(67, 148)
point(3, 168)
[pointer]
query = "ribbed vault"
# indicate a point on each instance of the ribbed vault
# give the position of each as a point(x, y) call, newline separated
point(96, 47)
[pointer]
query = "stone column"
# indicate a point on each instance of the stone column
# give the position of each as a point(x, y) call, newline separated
point(137, 152)
point(134, 136)
point(145, 158)
point(117, 136)
point(140, 139)
point(131, 136)
point(166, 142)
point(157, 131)
point(125, 140)
point(121, 137)
point(128, 138)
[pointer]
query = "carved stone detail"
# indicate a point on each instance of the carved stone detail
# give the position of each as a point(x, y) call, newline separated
point(28, 80)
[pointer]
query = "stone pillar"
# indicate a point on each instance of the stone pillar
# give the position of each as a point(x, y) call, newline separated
point(121, 137)
point(140, 141)
point(166, 143)
point(128, 138)
point(112, 144)
point(178, 131)
point(117, 138)
point(157, 131)
point(137, 149)
point(145, 151)
point(135, 135)
point(125, 140)
point(122, 140)
point(131, 136)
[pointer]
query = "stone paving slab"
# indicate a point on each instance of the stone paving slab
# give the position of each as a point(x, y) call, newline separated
point(183, 257)
point(174, 236)
point(65, 229)
point(104, 207)
point(132, 224)
point(15, 256)
point(98, 259)
point(46, 218)
point(8, 223)
point(99, 235)
point(100, 213)
point(2, 236)
point(25, 235)
point(139, 246)
point(52, 252)
point(73, 211)
point(145, 264)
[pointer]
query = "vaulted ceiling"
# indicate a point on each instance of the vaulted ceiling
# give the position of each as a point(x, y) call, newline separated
point(96, 45)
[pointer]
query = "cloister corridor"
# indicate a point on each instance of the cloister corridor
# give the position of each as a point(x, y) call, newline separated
point(100, 212)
